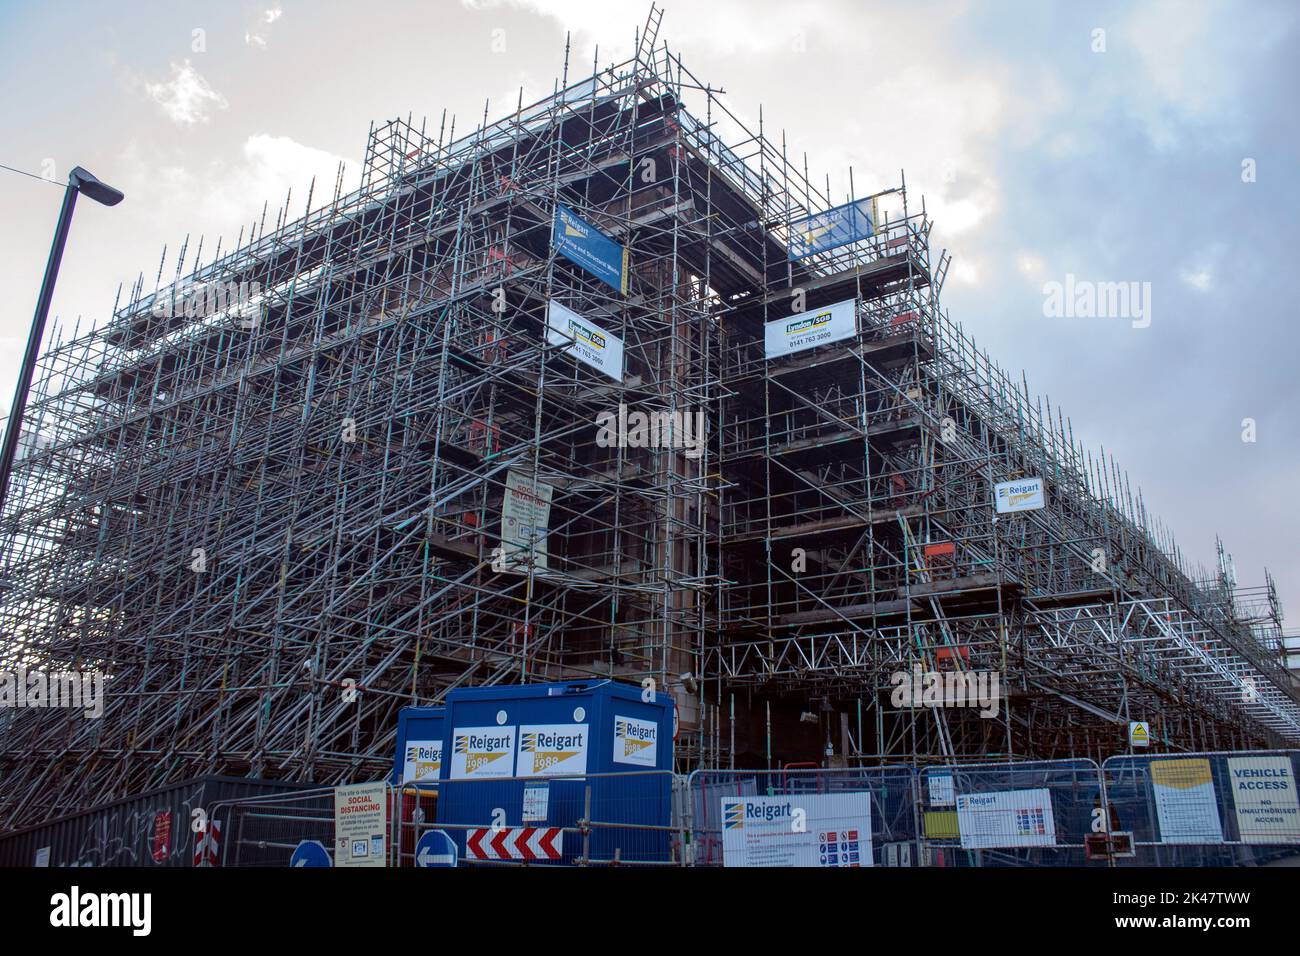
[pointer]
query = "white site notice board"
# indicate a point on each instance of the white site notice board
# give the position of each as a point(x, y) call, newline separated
point(1185, 804)
point(1006, 818)
point(360, 825)
point(829, 829)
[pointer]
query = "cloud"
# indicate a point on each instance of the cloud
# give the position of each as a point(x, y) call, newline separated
point(259, 33)
point(227, 193)
point(187, 99)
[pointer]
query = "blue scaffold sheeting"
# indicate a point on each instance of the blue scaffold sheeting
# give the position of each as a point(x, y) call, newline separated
point(831, 229)
point(584, 245)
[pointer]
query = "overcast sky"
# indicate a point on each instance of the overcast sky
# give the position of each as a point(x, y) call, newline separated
point(1043, 148)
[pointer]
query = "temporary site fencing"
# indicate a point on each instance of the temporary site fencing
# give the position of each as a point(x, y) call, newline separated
point(1236, 808)
point(1228, 808)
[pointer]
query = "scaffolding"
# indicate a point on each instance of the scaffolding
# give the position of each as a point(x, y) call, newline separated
point(275, 518)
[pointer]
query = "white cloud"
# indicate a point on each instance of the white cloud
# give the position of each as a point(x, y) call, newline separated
point(225, 194)
point(187, 99)
point(259, 34)
point(1191, 57)
point(1031, 265)
point(1200, 280)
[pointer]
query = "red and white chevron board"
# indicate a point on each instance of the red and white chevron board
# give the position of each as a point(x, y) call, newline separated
point(206, 844)
point(515, 843)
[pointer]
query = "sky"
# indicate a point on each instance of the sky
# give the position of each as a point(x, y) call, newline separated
point(1054, 143)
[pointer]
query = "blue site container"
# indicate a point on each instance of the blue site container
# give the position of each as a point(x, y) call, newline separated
point(556, 741)
point(420, 745)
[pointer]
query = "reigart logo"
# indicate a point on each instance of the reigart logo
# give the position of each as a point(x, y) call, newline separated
point(549, 749)
point(635, 737)
point(481, 749)
point(733, 816)
point(572, 229)
point(425, 760)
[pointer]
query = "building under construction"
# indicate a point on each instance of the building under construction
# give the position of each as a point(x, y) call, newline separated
point(276, 517)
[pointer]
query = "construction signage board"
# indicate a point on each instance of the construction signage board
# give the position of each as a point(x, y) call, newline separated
point(831, 229)
point(1006, 818)
point(584, 245)
point(423, 761)
point(588, 342)
point(797, 830)
point(480, 752)
point(806, 330)
point(361, 825)
point(537, 801)
point(1139, 733)
point(525, 521)
point(1185, 804)
point(1023, 494)
point(636, 741)
point(547, 750)
point(1263, 793)
point(940, 786)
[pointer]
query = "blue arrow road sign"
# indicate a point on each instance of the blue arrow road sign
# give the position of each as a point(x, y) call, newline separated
point(435, 849)
point(310, 853)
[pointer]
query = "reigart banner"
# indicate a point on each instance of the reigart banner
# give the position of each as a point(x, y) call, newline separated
point(831, 229)
point(797, 830)
point(1006, 818)
point(584, 245)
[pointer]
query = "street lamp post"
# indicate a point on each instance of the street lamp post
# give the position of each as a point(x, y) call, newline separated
point(79, 181)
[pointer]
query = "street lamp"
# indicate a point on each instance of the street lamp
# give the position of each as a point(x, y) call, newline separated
point(79, 181)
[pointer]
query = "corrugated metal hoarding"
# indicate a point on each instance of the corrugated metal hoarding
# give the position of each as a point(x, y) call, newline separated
point(148, 830)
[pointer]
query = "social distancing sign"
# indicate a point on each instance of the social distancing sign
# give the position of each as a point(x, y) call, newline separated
point(361, 825)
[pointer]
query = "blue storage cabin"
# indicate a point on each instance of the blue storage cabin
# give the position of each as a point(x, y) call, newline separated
point(418, 757)
point(555, 740)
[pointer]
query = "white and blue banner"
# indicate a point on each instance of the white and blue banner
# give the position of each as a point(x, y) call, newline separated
point(831, 229)
point(591, 344)
point(806, 330)
point(584, 245)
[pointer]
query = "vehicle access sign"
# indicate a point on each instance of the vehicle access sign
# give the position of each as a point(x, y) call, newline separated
point(1264, 797)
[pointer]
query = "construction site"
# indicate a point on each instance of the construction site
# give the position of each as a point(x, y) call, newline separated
point(273, 519)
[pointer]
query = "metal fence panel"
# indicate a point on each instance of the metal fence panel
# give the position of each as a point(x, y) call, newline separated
point(1236, 808)
point(1026, 813)
point(893, 831)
